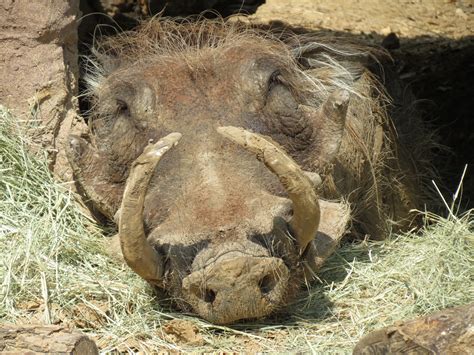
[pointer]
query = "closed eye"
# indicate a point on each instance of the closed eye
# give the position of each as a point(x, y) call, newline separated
point(122, 108)
point(274, 79)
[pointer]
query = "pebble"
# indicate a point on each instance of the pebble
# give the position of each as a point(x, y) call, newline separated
point(459, 12)
point(386, 30)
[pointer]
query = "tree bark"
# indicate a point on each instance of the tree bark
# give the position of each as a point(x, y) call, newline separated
point(44, 339)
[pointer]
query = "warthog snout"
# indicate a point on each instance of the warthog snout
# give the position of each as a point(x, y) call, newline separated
point(238, 287)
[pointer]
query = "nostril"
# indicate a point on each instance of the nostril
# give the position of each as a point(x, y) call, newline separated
point(267, 284)
point(209, 296)
point(206, 294)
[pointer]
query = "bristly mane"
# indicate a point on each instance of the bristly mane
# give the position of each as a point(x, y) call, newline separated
point(161, 38)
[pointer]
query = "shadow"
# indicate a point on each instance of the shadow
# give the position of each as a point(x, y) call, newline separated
point(126, 14)
point(440, 72)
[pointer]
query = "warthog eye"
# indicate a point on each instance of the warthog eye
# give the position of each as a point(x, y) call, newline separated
point(273, 80)
point(122, 108)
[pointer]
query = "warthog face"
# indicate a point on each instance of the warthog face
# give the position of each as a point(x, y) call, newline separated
point(225, 221)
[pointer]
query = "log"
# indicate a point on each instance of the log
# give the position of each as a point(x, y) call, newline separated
point(44, 339)
point(448, 331)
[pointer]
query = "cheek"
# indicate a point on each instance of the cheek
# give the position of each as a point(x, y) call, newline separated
point(295, 125)
point(290, 123)
point(295, 132)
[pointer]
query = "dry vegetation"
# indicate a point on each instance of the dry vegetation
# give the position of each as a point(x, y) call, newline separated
point(54, 269)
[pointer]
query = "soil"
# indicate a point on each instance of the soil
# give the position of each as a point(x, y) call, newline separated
point(182, 331)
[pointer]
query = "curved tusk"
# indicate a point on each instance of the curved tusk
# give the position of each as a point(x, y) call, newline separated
point(306, 213)
point(137, 252)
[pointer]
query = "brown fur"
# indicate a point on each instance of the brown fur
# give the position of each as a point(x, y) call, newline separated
point(209, 197)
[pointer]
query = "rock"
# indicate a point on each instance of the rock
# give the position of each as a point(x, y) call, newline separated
point(460, 13)
point(39, 71)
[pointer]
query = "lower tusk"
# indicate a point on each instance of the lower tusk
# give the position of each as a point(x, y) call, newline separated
point(136, 250)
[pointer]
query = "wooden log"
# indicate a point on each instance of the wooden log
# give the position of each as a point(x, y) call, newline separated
point(449, 331)
point(33, 339)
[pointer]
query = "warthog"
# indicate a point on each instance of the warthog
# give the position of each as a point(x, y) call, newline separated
point(229, 222)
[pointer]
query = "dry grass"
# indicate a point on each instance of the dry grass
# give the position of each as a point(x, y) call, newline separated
point(53, 269)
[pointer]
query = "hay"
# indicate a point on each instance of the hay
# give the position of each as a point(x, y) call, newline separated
point(54, 269)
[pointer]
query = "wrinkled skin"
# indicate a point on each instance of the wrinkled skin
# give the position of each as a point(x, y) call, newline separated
point(217, 219)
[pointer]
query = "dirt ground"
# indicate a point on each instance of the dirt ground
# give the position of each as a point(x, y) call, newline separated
point(435, 57)
point(407, 18)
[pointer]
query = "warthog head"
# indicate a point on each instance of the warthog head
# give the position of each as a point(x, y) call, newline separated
point(226, 220)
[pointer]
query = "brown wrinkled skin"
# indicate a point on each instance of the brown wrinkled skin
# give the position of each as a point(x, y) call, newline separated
point(216, 216)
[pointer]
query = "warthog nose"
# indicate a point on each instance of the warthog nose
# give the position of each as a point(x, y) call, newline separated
point(237, 288)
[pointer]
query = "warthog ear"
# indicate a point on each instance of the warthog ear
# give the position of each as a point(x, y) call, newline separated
point(97, 67)
point(329, 122)
point(91, 174)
